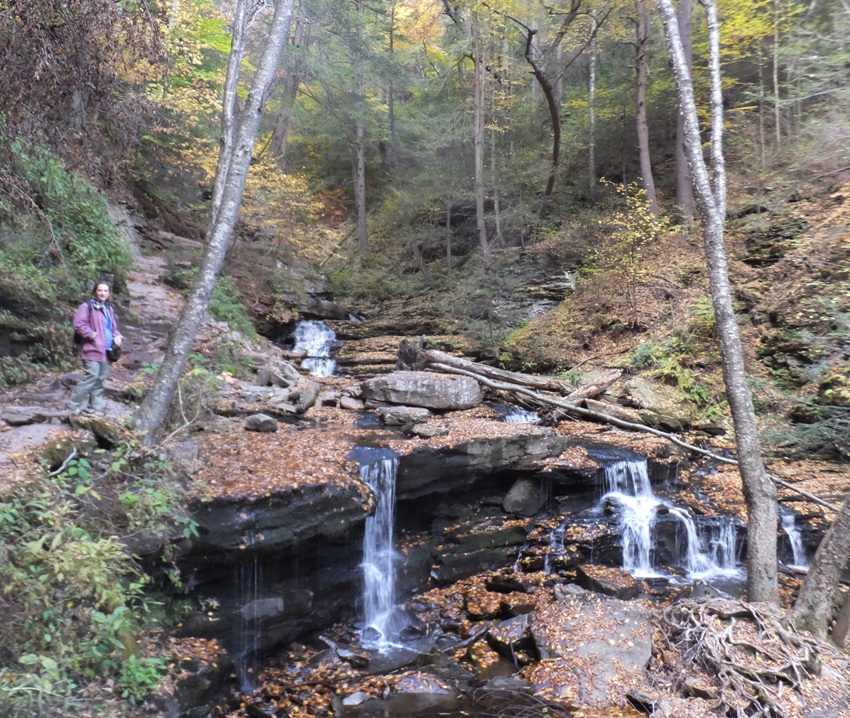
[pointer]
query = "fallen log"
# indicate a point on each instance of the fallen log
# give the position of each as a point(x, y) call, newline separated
point(573, 407)
point(415, 357)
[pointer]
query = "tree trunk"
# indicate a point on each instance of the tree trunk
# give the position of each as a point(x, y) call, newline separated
point(641, 34)
point(394, 151)
point(684, 190)
point(494, 176)
point(554, 115)
point(591, 106)
point(813, 609)
point(532, 58)
point(280, 136)
point(534, 54)
point(478, 133)
point(842, 623)
point(153, 410)
point(777, 115)
point(241, 24)
point(762, 140)
point(360, 153)
point(759, 490)
point(360, 188)
point(449, 242)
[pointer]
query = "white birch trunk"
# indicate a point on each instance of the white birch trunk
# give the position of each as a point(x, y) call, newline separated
point(684, 190)
point(246, 13)
point(759, 490)
point(154, 409)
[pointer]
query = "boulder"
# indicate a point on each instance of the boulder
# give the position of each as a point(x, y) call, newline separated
point(351, 404)
point(425, 389)
point(428, 431)
point(607, 580)
point(262, 423)
point(512, 639)
point(526, 497)
point(595, 649)
point(400, 415)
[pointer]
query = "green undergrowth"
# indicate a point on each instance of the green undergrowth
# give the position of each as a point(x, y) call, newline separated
point(225, 302)
point(76, 603)
point(56, 239)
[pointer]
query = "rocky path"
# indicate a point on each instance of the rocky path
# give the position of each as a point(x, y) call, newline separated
point(34, 414)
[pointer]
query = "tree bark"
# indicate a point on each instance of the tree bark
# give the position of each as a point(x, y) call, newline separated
point(591, 106)
point(241, 23)
point(449, 275)
point(777, 115)
point(478, 134)
point(813, 608)
point(684, 189)
point(494, 176)
point(280, 136)
point(360, 154)
point(394, 148)
point(153, 410)
point(759, 490)
point(842, 623)
point(641, 35)
point(360, 188)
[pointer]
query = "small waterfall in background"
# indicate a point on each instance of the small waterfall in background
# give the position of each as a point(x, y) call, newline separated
point(556, 546)
point(317, 339)
point(706, 551)
point(796, 539)
point(382, 620)
point(516, 415)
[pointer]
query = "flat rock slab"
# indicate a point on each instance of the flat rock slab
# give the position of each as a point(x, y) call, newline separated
point(426, 389)
point(593, 649)
point(23, 415)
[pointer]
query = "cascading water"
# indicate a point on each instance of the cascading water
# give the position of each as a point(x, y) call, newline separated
point(795, 538)
point(247, 578)
point(704, 552)
point(520, 416)
point(382, 620)
point(317, 339)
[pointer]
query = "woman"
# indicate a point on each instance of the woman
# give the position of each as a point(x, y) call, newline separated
point(95, 323)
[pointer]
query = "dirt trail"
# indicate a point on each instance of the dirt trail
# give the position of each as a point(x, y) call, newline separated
point(34, 414)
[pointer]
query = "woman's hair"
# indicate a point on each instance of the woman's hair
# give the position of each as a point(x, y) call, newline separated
point(97, 284)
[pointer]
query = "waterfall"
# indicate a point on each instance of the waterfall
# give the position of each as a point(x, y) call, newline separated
point(382, 620)
point(248, 577)
point(317, 339)
point(516, 415)
point(793, 533)
point(705, 551)
point(556, 546)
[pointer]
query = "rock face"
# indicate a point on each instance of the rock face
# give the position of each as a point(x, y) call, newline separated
point(275, 566)
point(276, 523)
point(425, 389)
point(428, 471)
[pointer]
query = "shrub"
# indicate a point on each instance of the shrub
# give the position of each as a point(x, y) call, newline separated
point(74, 599)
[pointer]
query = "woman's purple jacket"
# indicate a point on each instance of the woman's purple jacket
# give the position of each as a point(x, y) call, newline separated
point(94, 348)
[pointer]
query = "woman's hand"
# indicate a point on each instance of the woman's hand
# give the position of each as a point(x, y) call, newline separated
point(117, 341)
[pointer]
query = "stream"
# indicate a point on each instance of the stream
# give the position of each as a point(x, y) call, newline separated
point(400, 654)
